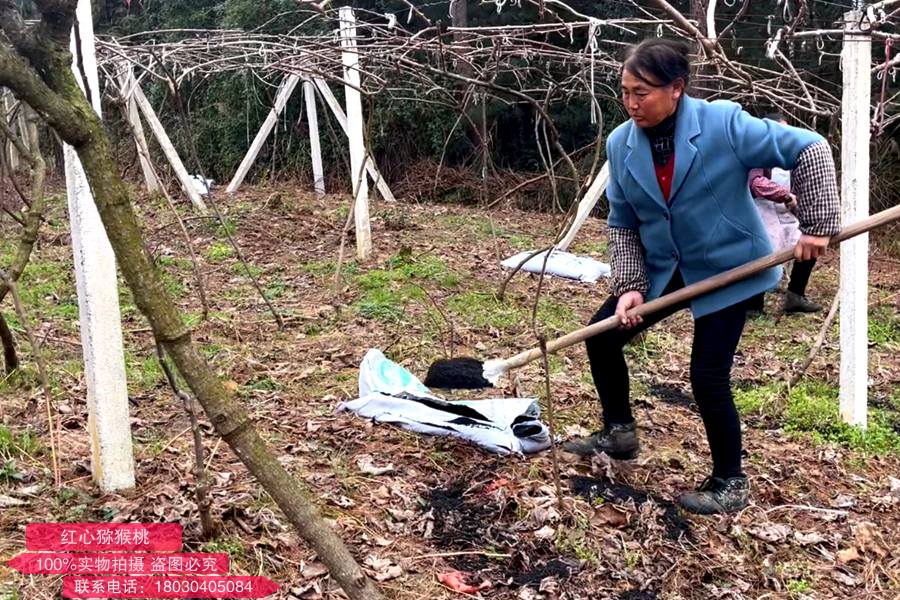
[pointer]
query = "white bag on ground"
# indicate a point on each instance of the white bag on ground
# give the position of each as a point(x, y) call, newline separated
point(562, 264)
point(391, 394)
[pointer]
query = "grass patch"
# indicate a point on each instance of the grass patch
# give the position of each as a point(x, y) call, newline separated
point(143, 373)
point(598, 248)
point(386, 292)
point(276, 289)
point(47, 289)
point(18, 445)
point(218, 252)
point(9, 471)
point(264, 384)
point(233, 547)
point(884, 327)
point(326, 268)
point(814, 409)
point(483, 309)
point(757, 400)
point(239, 269)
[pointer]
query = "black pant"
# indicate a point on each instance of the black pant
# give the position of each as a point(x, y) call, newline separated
point(716, 337)
point(800, 273)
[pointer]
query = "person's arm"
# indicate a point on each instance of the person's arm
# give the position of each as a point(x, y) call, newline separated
point(815, 184)
point(763, 187)
point(764, 143)
point(629, 269)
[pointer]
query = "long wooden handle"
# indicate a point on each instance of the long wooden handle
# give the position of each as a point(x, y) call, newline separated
point(697, 289)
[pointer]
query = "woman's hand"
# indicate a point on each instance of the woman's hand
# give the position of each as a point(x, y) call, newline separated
point(791, 203)
point(627, 301)
point(809, 247)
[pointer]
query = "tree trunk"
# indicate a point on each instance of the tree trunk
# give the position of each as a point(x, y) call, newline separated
point(56, 95)
point(10, 359)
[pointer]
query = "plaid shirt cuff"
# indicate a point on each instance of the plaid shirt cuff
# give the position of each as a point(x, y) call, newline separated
point(629, 270)
point(815, 182)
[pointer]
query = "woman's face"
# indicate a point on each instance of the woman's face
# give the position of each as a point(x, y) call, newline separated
point(647, 104)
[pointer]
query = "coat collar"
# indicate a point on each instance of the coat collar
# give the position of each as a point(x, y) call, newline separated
point(639, 160)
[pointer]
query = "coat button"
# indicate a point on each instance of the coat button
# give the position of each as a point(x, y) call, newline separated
point(675, 255)
point(667, 215)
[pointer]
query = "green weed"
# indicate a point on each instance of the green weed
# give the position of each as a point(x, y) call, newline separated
point(813, 409)
point(386, 292)
point(143, 373)
point(884, 327)
point(483, 309)
point(218, 252)
point(231, 546)
point(9, 471)
point(13, 445)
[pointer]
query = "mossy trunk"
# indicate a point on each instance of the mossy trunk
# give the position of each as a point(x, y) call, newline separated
point(47, 84)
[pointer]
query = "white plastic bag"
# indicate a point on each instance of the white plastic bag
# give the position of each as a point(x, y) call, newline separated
point(391, 394)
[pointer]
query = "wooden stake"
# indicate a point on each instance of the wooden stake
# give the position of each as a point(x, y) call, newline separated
point(856, 59)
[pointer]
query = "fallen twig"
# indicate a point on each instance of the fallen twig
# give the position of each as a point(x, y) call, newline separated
point(820, 339)
point(42, 373)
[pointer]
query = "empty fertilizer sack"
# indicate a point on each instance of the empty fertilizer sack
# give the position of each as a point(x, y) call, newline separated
point(562, 264)
point(388, 393)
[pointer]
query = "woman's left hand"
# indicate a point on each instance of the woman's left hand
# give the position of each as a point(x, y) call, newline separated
point(811, 246)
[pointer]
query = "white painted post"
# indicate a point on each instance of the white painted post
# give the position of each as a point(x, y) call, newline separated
point(315, 148)
point(341, 117)
point(12, 155)
point(285, 89)
point(112, 461)
point(355, 131)
point(162, 138)
point(856, 60)
point(585, 206)
point(127, 81)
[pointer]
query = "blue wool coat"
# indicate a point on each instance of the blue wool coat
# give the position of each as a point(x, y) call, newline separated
point(710, 224)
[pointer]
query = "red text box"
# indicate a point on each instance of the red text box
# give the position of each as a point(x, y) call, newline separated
point(68, 537)
point(168, 587)
point(65, 563)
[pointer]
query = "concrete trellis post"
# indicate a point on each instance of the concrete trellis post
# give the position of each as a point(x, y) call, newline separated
point(12, 155)
point(338, 112)
point(355, 129)
point(856, 59)
point(284, 93)
point(168, 148)
point(109, 426)
point(127, 82)
point(315, 149)
point(587, 204)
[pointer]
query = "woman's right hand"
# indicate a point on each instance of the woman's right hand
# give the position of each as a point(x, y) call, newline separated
point(627, 301)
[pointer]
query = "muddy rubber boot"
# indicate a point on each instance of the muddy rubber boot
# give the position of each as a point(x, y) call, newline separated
point(795, 303)
point(618, 441)
point(716, 495)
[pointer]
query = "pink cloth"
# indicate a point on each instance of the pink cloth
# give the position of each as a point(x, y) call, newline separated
point(763, 187)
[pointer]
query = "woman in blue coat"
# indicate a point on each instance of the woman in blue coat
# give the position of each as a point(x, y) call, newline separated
point(679, 212)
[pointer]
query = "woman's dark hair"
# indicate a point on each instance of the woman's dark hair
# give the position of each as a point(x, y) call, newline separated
point(659, 62)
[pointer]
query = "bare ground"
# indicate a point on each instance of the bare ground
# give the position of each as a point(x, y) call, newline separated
point(824, 520)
